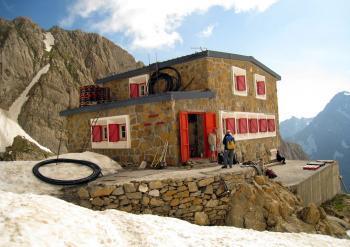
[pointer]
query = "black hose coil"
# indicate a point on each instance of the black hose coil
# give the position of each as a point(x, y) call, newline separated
point(173, 83)
point(96, 171)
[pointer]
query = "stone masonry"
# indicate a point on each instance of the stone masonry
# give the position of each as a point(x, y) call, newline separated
point(200, 200)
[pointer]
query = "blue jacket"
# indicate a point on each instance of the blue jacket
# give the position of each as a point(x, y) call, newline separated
point(227, 138)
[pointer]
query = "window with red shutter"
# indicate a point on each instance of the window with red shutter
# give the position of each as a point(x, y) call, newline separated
point(134, 90)
point(240, 83)
point(242, 126)
point(253, 125)
point(260, 87)
point(262, 125)
point(96, 133)
point(271, 125)
point(230, 124)
point(113, 130)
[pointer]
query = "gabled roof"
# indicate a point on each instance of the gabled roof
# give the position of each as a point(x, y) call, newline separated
point(203, 54)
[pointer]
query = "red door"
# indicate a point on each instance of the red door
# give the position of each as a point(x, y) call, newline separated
point(210, 125)
point(184, 139)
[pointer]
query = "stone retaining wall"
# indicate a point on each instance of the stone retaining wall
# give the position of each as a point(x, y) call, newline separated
point(198, 200)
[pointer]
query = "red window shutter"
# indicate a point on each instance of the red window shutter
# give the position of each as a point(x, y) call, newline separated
point(262, 125)
point(184, 139)
point(271, 125)
point(253, 125)
point(260, 87)
point(113, 130)
point(96, 133)
point(240, 83)
point(242, 126)
point(134, 90)
point(231, 125)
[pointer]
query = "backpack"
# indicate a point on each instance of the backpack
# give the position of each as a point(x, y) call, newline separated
point(230, 143)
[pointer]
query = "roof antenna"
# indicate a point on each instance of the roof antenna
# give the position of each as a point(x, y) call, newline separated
point(200, 48)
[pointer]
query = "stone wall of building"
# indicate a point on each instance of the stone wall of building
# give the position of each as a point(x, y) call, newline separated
point(150, 126)
point(200, 200)
point(194, 72)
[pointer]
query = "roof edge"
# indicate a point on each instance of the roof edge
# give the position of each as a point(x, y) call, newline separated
point(187, 58)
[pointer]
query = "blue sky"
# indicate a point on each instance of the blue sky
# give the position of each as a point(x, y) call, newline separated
point(306, 42)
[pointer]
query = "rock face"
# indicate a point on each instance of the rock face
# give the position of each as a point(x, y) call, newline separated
point(76, 59)
point(269, 206)
point(292, 151)
point(22, 149)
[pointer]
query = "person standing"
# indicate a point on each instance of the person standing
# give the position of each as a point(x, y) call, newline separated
point(212, 145)
point(229, 143)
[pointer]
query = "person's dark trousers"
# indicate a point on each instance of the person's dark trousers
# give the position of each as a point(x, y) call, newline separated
point(228, 158)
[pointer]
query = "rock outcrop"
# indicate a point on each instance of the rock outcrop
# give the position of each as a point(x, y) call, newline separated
point(76, 59)
point(266, 205)
point(292, 151)
point(22, 149)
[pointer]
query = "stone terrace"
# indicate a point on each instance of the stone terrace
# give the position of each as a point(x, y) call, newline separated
point(197, 195)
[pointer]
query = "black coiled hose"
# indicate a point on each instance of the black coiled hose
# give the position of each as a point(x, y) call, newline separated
point(96, 171)
point(173, 83)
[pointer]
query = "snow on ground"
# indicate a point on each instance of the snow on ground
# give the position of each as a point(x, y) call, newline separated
point(49, 41)
point(347, 93)
point(32, 220)
point(10, 129)
point(17, 176)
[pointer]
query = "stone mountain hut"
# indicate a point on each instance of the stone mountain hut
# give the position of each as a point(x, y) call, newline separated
point(181, 101)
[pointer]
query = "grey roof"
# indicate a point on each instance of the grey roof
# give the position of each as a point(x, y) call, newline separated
point(178, 95)
point(203, 54)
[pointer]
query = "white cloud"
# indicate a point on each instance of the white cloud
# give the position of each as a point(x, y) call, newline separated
point(207, 32)
point(150, 24)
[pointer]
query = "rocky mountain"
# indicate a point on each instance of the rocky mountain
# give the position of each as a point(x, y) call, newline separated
point(328, 134)
point(51, 65)
point(293, 125)
point(292, 151)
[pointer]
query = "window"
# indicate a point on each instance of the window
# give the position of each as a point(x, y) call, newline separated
point(239, 81)
point(262, 125)
point(122, 132)
point(242, 126)
point(260, 86)
point(230, 125)
point(142, 89)
point(248, 125)
point(253, 125)
point(110, 132)
point(138, 86)
point(271, 125)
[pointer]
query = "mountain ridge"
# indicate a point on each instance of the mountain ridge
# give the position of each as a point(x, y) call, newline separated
point(76, 59)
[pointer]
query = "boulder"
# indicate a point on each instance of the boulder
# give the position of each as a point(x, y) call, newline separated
point(23, 149)
point(310, 214)
point(201, 218)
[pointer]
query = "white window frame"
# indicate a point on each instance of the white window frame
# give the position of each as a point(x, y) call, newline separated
point(257, 78)
point(105, 144)
point(236, 71)
point(247, 136)
point(140, 79)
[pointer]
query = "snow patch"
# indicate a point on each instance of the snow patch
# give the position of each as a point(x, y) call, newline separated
point(49, 41)
point(16, 176)
point(344, 144)
point(32, 220)
point(16, 107)
point(347, 93)
point(10, 129)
